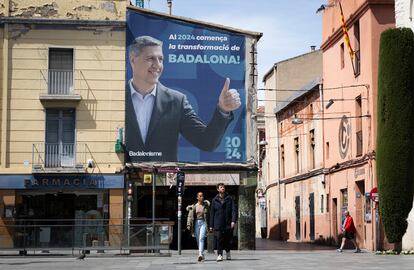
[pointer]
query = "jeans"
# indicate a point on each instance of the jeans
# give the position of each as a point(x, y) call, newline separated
point(200, 231)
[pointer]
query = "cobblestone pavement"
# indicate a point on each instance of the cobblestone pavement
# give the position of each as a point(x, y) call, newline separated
point(263, 259)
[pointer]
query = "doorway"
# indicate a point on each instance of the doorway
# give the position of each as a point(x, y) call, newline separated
point(297, 210)
point(359, 211)
point(312, 216)
point(335, 218)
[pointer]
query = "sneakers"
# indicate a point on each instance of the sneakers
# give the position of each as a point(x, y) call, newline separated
point(357, 250)
point(339, 250)
point(219, 258)
point(200, 258)
point(228, 256)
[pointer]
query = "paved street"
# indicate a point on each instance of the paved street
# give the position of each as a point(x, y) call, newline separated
point(263, 259)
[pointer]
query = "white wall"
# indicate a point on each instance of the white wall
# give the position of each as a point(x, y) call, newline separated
point(404, 12)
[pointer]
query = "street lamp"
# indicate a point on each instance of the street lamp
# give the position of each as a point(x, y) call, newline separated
point(169, 2)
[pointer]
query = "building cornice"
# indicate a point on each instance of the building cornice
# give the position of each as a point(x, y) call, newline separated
point(67, 22)
point(337, 35)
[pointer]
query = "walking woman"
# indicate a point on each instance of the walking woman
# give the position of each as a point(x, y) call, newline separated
point(197, 222)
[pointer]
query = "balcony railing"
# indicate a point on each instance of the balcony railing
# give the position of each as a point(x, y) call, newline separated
point(59, 156)
point(60, 82)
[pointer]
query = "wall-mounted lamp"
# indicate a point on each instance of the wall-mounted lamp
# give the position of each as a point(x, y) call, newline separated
point(330, 102)
point(263, 142)
point(297, 121)
point(323, 7)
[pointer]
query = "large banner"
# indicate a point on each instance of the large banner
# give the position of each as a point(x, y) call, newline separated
point(185, 92)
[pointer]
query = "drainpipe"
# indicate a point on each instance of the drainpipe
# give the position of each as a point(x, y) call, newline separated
point(5, 95)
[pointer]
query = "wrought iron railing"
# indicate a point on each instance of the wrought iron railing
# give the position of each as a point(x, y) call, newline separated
point(60, 82)
point(59, 155)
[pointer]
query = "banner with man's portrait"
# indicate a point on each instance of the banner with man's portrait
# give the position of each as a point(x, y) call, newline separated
point(185, 91)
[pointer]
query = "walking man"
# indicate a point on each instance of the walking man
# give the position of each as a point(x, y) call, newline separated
point(222, 221)
point(349, 232)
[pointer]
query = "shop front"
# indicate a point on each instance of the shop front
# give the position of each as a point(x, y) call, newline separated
point(61, 211)
point(163, 206)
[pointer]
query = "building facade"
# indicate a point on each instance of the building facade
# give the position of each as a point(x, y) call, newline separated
point(350, 133)
point(284, 82)
point(312, 195)
point(62, 77)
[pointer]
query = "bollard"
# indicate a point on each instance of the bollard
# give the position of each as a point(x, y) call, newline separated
point(210, 242)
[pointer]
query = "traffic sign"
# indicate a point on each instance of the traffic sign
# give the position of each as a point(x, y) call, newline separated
point(374, 194)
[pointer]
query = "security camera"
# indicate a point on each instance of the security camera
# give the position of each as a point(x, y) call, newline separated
point(91, 163)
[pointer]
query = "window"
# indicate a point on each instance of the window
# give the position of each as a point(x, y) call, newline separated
point(344, 198)
point(327, 203)
point(327, 150)
point(342, 56)
point(60, 138)
point(322, 203)
point(310, 110)
point(60, 73)
point(281, 127)
point(296, 145)
point(357, 58)
point(282, 161)
point(312, 148)
point(358, 126)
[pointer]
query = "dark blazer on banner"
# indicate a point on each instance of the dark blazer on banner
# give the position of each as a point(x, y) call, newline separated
point(172, 114)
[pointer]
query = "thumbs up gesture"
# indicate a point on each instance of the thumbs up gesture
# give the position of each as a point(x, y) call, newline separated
point(229, 99)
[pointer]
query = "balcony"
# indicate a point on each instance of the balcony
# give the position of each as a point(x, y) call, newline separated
point(58, 88)
point(59, 157)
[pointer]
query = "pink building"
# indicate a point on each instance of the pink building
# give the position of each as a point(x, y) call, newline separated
point(324, 151)
point(350, 126)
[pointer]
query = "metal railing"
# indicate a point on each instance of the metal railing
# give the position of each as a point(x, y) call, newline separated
point(60, 82)
point(59, 155)
point(85, 234)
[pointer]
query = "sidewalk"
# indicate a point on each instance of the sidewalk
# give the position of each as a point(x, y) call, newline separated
point(241, 260)
point(267, 244)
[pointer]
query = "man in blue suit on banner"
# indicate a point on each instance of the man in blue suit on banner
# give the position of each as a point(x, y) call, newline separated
point(156, 115)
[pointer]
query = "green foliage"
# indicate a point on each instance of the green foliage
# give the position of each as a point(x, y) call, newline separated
point(395, 134)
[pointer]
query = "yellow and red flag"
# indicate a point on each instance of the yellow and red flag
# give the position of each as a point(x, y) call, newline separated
point(346, 36)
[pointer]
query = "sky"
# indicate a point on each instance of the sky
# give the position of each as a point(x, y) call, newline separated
point(289, 27)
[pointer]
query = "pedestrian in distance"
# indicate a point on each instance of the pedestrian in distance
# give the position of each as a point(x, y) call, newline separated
point(222, 221)
point(349, 230)
point(197, 222)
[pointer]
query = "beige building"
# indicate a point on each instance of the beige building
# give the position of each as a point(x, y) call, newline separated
point(62, 101)
point(282, 83)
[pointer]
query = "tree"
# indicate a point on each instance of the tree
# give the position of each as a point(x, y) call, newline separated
point(395, 134)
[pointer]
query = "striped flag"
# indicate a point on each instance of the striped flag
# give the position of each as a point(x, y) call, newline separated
point(346, 36)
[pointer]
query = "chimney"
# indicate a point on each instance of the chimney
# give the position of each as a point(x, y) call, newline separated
point(313, 47)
